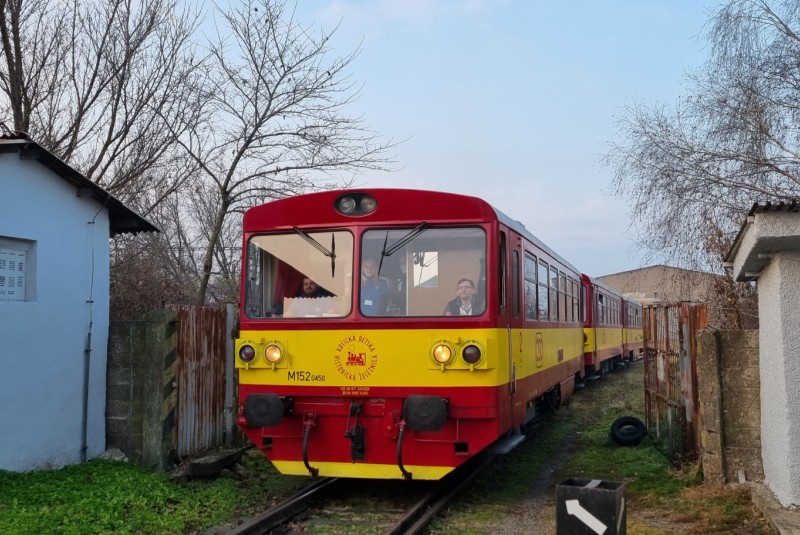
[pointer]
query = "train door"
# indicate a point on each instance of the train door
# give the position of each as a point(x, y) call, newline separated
point(516, 320)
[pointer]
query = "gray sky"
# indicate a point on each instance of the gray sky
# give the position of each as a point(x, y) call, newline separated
point(510, 101)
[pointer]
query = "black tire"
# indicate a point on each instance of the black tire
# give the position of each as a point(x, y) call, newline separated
point(628, 431)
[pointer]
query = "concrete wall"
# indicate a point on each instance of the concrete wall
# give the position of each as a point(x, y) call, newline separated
point(141, 389)
point(730, 413)
point(779, 295)
point(42, 341)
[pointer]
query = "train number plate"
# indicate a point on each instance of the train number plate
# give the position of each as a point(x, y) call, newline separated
point(305, 377)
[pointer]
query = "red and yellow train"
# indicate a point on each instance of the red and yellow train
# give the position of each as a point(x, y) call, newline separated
point(396, 333)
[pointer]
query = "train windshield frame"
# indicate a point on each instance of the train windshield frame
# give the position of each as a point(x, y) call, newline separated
point(440, 272)
point(299, 275)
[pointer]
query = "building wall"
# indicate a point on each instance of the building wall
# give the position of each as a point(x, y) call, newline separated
point(662, 283)
point(778, 296)
point(42, 341)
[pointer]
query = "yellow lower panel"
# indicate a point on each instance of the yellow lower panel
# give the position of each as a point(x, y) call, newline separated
point(360, 470)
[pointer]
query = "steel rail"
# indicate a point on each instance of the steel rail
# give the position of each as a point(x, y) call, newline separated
point(420, 515)
point(285, 510)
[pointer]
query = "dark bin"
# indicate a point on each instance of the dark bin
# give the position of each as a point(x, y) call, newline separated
point(590, 507)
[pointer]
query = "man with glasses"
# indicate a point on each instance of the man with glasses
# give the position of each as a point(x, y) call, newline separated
point(467, 303)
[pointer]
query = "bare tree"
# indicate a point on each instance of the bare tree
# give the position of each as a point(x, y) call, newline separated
point(690, 170)
point(275, 121)
point(95, 82)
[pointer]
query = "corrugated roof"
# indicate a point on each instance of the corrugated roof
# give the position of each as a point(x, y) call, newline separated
point(760, 208)
point(122, 219)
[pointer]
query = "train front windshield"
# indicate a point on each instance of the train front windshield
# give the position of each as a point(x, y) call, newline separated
point(299, 275)
point(436, 272)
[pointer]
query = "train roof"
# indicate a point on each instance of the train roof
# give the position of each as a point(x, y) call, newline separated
point(519, 227)
point(603, 286)
point(407, 206)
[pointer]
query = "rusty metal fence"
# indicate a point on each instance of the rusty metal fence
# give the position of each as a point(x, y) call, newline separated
point(200, 377)
point(670, 377)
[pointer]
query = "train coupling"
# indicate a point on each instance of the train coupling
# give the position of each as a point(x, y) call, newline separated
point(358, 443)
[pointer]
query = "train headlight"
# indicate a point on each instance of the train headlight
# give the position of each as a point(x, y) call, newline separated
point(368, 204)
point(471, 354)
point(247, 354)
point(273, 353)
point(442, 354)
point(347, 205)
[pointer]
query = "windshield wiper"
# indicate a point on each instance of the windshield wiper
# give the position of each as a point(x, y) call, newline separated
point(400, 243)
point(321, 248)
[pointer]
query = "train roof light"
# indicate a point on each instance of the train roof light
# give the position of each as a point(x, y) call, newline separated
point(368, 204)
point(346, 205)
point(355, 204)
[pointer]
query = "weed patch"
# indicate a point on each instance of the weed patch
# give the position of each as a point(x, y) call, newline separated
point(112, 497)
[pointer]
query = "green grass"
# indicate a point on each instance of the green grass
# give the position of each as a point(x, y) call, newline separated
point(666, 499)
point(112, 497)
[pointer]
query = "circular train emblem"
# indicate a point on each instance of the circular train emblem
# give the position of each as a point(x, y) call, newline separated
point(356, 357)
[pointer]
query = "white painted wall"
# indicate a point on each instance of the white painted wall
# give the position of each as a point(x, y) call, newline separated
point(779, 339)
point(42, 342)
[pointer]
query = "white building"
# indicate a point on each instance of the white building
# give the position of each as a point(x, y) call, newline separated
point(54, 304)
point(767, 249)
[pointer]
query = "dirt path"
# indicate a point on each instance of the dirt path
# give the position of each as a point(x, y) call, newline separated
point(535, 512)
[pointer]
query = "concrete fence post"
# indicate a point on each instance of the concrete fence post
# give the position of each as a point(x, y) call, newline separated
point(711, 432)
point(158, 433)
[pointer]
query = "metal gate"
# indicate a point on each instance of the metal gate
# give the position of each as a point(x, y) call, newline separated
point(670, 377)
point(200, 378)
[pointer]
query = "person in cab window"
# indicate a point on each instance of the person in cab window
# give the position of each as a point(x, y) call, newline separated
point(467, 303)
point(312, 301)
point(374, 289)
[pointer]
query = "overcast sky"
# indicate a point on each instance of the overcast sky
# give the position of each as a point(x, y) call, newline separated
point(511, 101)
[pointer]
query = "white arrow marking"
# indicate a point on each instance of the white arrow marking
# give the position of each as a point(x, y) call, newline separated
point(575, 509)
point(619, 517)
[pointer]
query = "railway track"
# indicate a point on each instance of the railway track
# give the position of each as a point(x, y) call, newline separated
point(317, 507)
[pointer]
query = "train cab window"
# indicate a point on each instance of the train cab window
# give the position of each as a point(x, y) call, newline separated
point(544, 310)
point(438, 272)
point(553, 294)
point(584, 299)
point(530, 287)
point(515, 286)
point(562, 297)
point(289, 275)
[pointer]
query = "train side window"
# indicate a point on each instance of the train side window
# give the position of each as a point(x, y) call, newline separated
point(562, 297)
point(569, 300)
point(601, 308)
point(553, 294)
point(530, 287)
point(502, 269)
point(515, 286)
point(543, 292)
